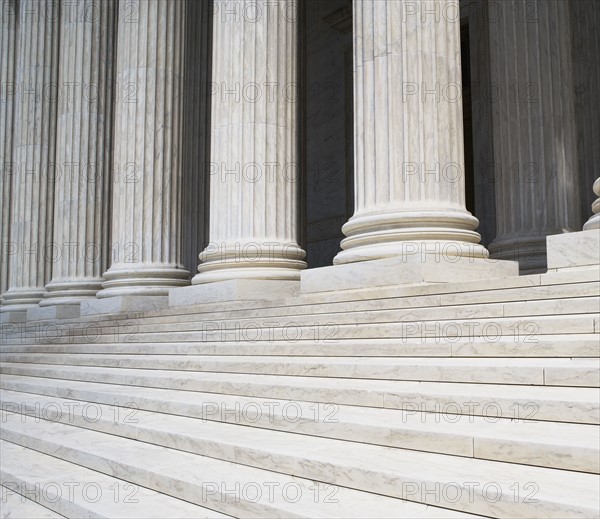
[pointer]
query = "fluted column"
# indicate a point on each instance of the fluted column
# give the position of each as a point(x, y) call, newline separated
point(585, 20)
point(535, 147)
point(409, 158)
point(7, 78)
point(84, 128)
point(594, 221)
point(146, 202)
point(253, 170)
point(33, 151)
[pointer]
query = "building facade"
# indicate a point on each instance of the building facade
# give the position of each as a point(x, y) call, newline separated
point(267, 137)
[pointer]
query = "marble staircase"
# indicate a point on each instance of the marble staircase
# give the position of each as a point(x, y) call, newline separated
point(442, 400)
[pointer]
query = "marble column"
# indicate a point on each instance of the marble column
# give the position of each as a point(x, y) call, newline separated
point(535, 147)
point(146, 201)
point(196, 138)
point(585, 20)
point(254, 178)
point(409, 152)
point(594, 221)
point(33, 151)
point(7, 78)
point(84, 128)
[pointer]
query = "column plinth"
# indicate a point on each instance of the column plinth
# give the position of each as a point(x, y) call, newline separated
point(146, 201)
point(253, 171)
point(409, 158)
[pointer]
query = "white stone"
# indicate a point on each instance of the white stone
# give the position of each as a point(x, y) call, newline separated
point(84, 140)
point(574, 249)
point(255, 175)
point(33, 152)
point(404, 270)
point(50, 479)
point(146, 184)
point(233, 290)
point(8, 316)
point(535, 139)
point(409, 176)
point(62, 311)
point(594, 221)
point(118, 304)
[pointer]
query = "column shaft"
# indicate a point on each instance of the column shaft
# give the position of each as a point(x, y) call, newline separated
point(7, 77)
point(409, 164)
point(535, 145)
point(585, 20)
point(253, 170)
point(146, 201)
point(84, 128)
point(33, 151)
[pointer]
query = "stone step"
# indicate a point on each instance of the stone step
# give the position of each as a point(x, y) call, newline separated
point(521, 329)
point(515, 301)
point(581, 372)
point(543, 285)
point(17, 506)
point(350, 316)
point(230, 488)
point(545, 403)
point(72, 490)
point(524, 288)
point(576, 345)
point(557, 445)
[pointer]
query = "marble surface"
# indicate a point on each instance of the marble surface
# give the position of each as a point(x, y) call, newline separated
point(33, 152)
point(120, 304)
point(215, 420)
point(576, 249)
point(415, 268)
point(409, 178)
point(74, 491)
point(594, 222)
point(254, 168)
point(84, 132)
point(535, 137)
point(233, 290)
point(148, 119)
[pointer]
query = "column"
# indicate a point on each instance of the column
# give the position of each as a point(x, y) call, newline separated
point(7, 78)
point(409, 158)
point(33, 151)
point(196, 138)
point(585, 20)
point(253, 170)
point(83, 151)
point(146, 201)
point(594, 221)
point(535, 144)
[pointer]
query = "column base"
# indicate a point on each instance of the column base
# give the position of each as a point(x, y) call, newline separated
point(22, 299)
point(151, 281)
point(46, 313)
point(429, 268)
point(233, 290)
point(250, 261)
point(123, 304)
point(384, 235)
point(70, 292)
point(574, 250)
point(593, 223)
